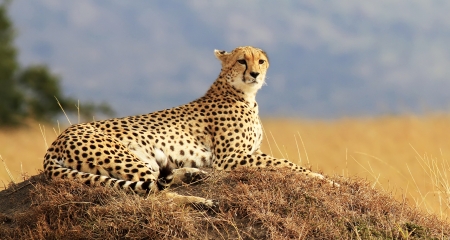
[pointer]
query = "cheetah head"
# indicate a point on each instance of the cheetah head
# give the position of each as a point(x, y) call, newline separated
point(244, 68)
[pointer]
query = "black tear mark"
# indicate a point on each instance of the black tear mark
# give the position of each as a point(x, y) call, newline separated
point(243, 75)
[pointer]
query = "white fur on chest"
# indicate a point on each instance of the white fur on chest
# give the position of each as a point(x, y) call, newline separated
point(259, 133)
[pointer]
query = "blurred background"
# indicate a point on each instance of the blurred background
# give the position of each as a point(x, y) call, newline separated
point(328, 59)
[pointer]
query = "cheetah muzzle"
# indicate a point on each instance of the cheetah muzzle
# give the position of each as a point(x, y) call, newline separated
point(147, 153)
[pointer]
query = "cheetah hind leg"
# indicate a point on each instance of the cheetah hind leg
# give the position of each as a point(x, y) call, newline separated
point(188, 175)
point(185, 175)
point(197, 202)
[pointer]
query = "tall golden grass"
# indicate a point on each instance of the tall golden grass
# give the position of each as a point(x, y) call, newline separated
point(406, 155)
point(22, 151)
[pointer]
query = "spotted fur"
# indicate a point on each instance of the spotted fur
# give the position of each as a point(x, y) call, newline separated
point(146, 153)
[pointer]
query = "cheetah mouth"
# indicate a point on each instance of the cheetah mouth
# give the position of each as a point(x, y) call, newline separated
point(251, 81)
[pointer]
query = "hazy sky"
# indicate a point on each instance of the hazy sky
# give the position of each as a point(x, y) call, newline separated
point(329, 59)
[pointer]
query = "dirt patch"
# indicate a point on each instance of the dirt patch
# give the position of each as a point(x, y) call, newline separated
point(16, 199)
point(254, 204)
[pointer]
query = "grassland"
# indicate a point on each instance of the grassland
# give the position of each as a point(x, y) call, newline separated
point(404, 155)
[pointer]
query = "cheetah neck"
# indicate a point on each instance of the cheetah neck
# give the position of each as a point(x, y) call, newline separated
point(222, 88)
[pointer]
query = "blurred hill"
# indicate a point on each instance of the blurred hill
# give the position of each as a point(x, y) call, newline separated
point(328, 59)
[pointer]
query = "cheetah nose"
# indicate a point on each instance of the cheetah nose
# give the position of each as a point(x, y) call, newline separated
point(254, 74)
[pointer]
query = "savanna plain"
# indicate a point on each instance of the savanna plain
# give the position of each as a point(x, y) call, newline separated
point(404, 156)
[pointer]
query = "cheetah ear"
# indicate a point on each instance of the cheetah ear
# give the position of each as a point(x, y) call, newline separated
point(221, 55)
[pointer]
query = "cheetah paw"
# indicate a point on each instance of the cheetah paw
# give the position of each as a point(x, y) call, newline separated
point(208, 204)
point(191, 177)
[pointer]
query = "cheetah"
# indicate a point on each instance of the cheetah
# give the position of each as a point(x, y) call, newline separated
point(148, 153)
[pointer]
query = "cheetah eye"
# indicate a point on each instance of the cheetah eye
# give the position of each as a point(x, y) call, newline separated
point(262, 61)
point(242, 61)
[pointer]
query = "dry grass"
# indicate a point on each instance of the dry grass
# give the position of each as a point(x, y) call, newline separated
point(22, 151)
point(253, 205)
point(407, 155)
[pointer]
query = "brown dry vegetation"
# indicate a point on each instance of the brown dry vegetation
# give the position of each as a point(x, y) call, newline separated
point(254, 204)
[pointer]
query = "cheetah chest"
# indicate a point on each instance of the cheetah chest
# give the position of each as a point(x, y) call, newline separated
point(257, 128)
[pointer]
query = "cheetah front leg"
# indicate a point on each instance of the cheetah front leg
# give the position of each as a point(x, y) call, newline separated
point(289, 164)
point(261, 160)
